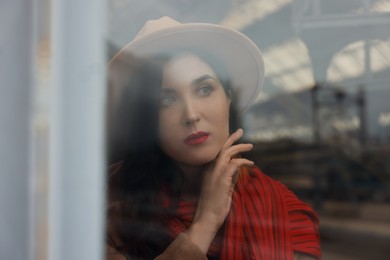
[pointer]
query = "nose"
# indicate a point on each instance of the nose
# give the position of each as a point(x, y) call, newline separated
point(190, 114)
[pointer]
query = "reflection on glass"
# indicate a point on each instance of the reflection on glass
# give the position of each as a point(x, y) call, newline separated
point(321, 123)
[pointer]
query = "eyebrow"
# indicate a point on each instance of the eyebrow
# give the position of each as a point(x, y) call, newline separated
point(202, 78)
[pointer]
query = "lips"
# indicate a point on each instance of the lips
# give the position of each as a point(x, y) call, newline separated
point(196, 138)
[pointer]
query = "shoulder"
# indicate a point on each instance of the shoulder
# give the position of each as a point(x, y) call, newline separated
point(300, 219)
point(274, 187)
point(264, 193)
point(272, 194)
point(254, 178)
point(255, 174)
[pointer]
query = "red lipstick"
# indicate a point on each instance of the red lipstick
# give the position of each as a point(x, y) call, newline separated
point(196, 138)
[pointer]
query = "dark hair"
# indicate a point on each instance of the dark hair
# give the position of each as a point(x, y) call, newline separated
point(136, 213)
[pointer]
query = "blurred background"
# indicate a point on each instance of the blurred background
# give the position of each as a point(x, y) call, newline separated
point(321, 125)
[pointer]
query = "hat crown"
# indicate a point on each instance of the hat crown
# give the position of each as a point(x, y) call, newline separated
point(241, 57)
point(152, 26)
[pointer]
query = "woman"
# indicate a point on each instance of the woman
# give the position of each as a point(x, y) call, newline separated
point(181, 190)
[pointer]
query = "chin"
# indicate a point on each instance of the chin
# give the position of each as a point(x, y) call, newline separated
point(202, 158)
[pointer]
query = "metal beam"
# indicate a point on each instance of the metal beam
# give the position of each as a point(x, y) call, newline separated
point(77, 159)
point(16, 81)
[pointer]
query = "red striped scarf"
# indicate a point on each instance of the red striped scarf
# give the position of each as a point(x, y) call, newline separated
point(266, 221)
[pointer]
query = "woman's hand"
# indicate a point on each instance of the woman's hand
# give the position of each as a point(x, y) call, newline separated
point(216, 193)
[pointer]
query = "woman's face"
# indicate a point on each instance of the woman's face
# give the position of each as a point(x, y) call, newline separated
point(194, 112)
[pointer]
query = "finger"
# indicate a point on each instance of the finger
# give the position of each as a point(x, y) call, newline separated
point(226, 155)
point(236, 149)
point(233, 170)
point(241, 162)
point(235, 164)
point(233, 138)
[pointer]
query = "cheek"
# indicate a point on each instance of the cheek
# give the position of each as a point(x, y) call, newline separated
point(221, 116)
point(224, 126)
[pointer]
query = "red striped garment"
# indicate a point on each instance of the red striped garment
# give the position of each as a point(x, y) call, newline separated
point(266, 221)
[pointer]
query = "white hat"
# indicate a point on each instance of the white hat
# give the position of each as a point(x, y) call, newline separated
point(241, 57)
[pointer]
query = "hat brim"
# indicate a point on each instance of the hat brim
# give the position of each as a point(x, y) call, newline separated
point(241, 57)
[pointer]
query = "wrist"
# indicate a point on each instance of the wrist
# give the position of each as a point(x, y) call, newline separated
point(201, 234)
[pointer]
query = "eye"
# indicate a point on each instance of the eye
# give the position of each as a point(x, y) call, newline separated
point(205, 90)
point(167, 100)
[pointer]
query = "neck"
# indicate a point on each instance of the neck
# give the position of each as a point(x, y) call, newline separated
point(191, 182)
